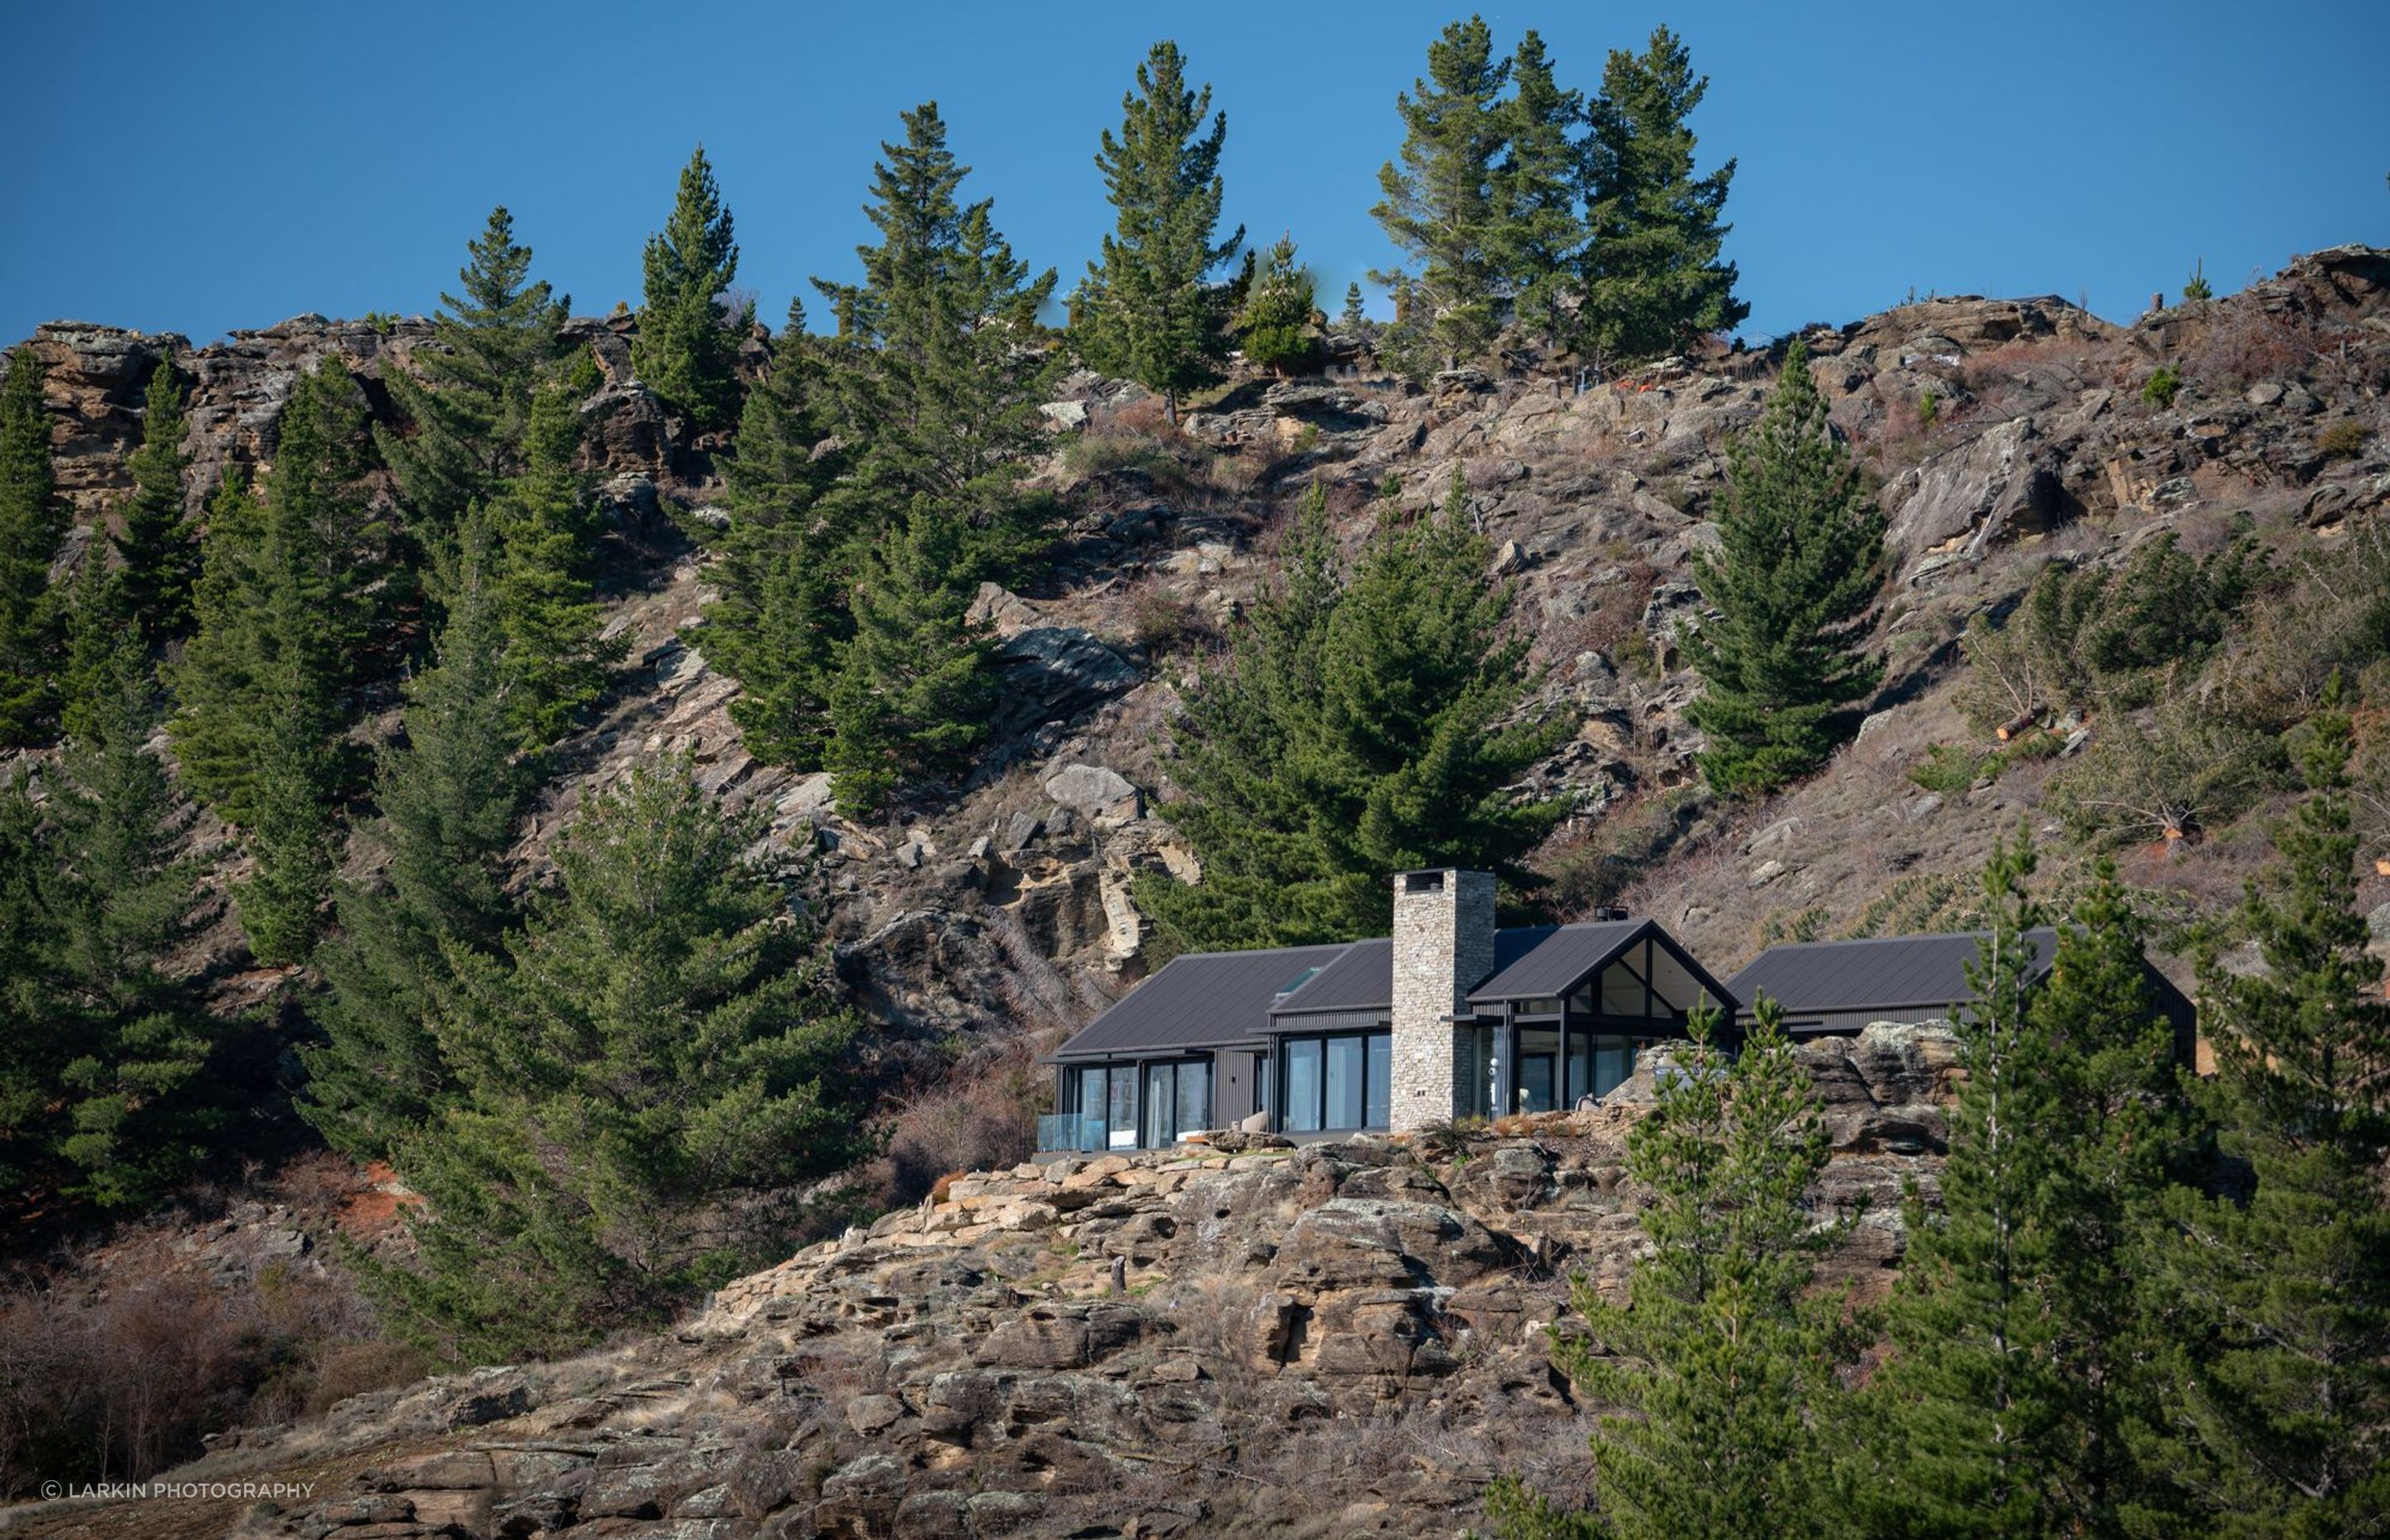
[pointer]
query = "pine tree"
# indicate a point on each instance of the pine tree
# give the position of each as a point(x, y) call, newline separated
point(685, 350)
point(284, 606)
point(1147, 311)
point(937, 374)
point(1364, 728)
point(787, 558)
point(34, 1037)
point(1723, 1364)
point(1275, 326)
point(1440, 203)
point(469, 401)
point(156, 544)
point(644, 1082)
point(1537, 238)
point(1653, 282)
point(917, 682)
point(1353, 321)
point(449, 790)
point(1793, 582)
point(546, 527)
point(33, 520)
point(2289, 1389)
point(122, 897)
point(2020, 1397)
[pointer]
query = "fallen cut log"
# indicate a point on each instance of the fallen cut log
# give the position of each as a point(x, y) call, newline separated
point(2018, 723)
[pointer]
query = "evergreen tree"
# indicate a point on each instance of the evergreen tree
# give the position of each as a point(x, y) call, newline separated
point(917, 682)
point(1441, 205)
point(34, 1039)
point(644, 1080)
point(1653, 282)
point(1538, 237)
point(1353, 321)
point(2289, 1389)
point(283, 605)
point(1275, 326)
point(121, 896)
point(156, 544)
point(2020, 1397)
point(686, 350)
point(33, 520)
point(1147, 310)
point(1723, 1366)
point(545, 526)
point(787, 559)
point(1364, 728)
point(469, 401)
point(937, 372)
point(1793, 582)
point(449, 788)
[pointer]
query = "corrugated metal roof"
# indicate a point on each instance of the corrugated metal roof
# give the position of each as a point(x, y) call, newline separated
point(1563, 956)
point(1362, 979)
point(1199, 1000)
point(1897, 978)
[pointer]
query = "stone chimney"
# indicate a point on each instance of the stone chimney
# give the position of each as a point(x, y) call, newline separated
point(1443, 947)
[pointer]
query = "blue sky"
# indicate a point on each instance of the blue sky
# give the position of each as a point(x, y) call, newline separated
point(200, 167)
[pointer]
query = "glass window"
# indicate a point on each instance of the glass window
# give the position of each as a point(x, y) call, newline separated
point(1121, 1122)
point(1345, 1081)
point(1091, 1108)
point(1621, 990)
point(1614, 1060)
point(1194, 1098)
point(1539, 1066)
point(1161, 1103)
point(1301, 1111)
point(1580, 1066)
point(1380, 1111)
point(1473, 1068)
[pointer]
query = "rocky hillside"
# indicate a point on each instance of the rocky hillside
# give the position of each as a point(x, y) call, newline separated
point(2000, 431)
point(1340, 1340)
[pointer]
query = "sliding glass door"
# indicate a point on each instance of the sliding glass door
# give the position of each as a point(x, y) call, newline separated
point(1335, 1084)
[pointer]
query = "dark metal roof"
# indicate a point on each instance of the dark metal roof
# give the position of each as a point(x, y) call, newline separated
point(1852, 981)
point(1563, 956)
point(1199, 1000)
point(1364, 978)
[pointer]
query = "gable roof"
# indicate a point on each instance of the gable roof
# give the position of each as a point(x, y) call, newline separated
point(1199, 1000)
point(1852, 982)
point(1567, 953)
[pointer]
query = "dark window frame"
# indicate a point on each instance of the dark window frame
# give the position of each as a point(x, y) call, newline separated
point(1374, 1041)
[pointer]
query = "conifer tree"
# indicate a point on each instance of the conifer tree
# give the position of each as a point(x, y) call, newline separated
point(1275, 326)
point(157, 545)
point(1354, 320)
point(35, 1037)
point(685, 350)
point(449, 789)
point(1723, 1364)
point(1361, 729)
point(283, 607)
point(121, 896)
point(787, 561)
point(1792, 582)
point(2021, 1396)
point(644, 1080)
point(1538, 237)
point(1440, 204)
point(33, 520)
point(1653, 281)
point(545, 529)
point(917, 682)
point(470, 408)
point(1148, 311)
point(2289, 1387)
point(936, 375)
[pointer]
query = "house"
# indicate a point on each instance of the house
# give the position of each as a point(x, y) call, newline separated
point(1836, 987)
point(1451, 1016)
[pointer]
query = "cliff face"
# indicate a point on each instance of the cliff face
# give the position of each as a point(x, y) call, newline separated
point(1342, 1340)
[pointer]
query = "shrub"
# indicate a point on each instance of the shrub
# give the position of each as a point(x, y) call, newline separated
point(2342, 438)
point(2195, 288)
point(2162, 387)
point(2185, 771)
point(1162, 622)
point(1950, 770)
point(1929, 406)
